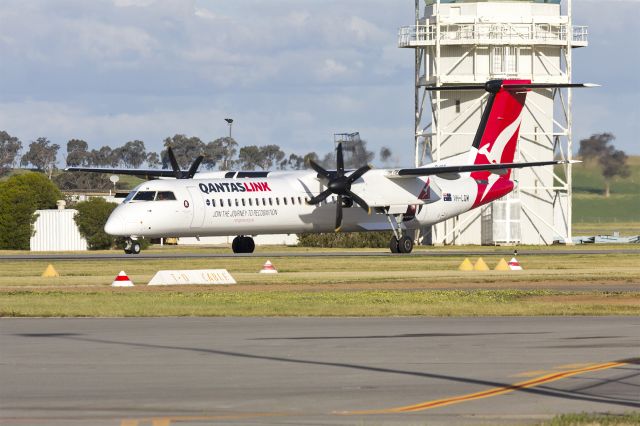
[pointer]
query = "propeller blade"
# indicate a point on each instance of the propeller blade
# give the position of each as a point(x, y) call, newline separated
point(194, 167)
point(339, 213)
point(174, 164)
point(340, 160)
point(320, 197)
point(360, 201)
point(358, 173)
point(321, 171)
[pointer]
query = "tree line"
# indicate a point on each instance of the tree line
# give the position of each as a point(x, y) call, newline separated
point(220, 154)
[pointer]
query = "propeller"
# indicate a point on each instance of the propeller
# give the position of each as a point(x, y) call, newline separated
point(179, 173)
point(339, 184)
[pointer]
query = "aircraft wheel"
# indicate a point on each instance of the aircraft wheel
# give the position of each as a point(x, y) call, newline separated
point(243, 245)
point(235, 245)
point(131, 247)
point(393, 245)
point(405, 245)
point(136, 248)
point(250, 245)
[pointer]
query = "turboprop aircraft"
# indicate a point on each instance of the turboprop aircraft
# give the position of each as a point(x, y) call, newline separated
point(319, 200)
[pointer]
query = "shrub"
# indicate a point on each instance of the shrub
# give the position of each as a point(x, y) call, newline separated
point(20, 196)
point(91, 218)
point(346, 239)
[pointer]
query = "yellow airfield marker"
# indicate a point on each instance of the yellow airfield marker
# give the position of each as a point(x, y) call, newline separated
point(466, 265)
point(502, 266)
point(480, 265)
point(50, 272)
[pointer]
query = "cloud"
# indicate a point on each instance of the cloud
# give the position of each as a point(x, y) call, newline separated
point(291, 72)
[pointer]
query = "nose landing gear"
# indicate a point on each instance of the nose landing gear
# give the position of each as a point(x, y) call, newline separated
point(242, 244)
point(132, 247)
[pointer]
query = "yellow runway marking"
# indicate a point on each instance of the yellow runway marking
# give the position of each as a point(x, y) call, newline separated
point(552, 377)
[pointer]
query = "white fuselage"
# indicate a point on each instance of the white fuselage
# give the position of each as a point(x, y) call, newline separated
point(277, 204)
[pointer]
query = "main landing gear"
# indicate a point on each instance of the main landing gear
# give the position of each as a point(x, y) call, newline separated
point(242, 244)
point(399, 243)
point(132, 246)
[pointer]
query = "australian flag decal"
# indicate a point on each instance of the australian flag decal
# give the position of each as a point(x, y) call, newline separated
point(446, 196)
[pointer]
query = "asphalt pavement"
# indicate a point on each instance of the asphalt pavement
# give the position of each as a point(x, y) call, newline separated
point(311, 371)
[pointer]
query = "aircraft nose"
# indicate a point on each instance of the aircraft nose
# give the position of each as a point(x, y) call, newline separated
point(114, 225)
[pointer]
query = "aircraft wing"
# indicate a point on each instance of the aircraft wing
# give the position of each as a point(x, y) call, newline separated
point(147, 174)
point(453, 170)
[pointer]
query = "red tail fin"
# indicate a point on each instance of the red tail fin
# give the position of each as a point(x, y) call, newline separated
point(497, 135)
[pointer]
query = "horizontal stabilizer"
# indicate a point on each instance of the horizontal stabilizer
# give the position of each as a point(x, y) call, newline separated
point(494, 85)
point(447, 170)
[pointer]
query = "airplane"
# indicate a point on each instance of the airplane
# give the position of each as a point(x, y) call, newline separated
point(248, 203)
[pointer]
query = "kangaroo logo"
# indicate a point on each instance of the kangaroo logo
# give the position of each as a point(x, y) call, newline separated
point(494, 151)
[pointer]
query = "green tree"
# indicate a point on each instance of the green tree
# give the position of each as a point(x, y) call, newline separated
point(221, 152)
point(91, 218)
point(184, 148)
point(385, 154)
point(10, 146)
point(20, 197)
point(68, 181)
point(612, 162)
point(77, 154)
point(264, 157)
point(153, 160)
point(103, 157)
point(133, 154)
point(42, 155)
point(250, 157)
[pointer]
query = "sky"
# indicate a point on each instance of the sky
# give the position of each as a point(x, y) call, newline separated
point(289, 72)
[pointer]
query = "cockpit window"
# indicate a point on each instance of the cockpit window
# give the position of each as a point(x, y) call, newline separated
point(165, 196)
point(144, 196)
point(129, 196)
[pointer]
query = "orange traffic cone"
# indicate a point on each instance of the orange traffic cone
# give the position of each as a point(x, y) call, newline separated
point(122, 280)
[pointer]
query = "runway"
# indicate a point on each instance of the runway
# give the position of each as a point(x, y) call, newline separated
point(310, 371)
point(382, 253)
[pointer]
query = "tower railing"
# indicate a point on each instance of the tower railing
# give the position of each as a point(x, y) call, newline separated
point(492, 33)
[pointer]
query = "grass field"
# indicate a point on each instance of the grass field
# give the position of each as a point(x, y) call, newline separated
point(591, 207)
point(328, 286)
point(585, 419)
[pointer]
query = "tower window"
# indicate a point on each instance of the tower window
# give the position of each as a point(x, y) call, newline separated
point(458, 106)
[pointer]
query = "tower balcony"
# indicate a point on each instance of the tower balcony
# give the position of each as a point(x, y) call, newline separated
point(493, 34)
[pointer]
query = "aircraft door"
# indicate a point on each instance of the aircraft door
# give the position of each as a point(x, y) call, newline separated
point(197, 207)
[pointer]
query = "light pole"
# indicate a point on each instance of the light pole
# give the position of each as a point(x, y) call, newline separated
point(230, 123)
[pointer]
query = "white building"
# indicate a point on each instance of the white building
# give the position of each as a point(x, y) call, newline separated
point(467, 42)
point(56, 230)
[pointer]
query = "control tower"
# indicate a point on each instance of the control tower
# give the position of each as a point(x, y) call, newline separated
point(464, 42)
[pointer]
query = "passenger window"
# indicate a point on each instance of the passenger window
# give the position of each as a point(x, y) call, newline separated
point(221, 202)
point(277, 201)
point(237, 205)
point(264, 201)
point(299, 200)
point(165, 196)
point(243, 205)
point(284, 200)
point(144, 196)
point(270, 201)
point(293, 201)
point(213, 202)
point(257, 201)
point(229, 202)
point(250, 202)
